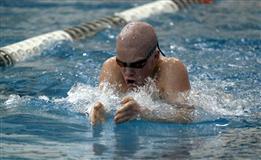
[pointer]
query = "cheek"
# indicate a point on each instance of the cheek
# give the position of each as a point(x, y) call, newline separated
point(143, 73)
point(147, 68)
point(122, 71)
point(133, 73)
point(140, 74)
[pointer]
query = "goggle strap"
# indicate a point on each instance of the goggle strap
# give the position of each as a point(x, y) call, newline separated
point(160, 50)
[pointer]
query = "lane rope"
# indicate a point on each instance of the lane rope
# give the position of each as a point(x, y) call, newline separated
point(20, 51)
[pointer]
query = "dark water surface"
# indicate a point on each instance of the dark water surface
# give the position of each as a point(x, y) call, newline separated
point(42, 100)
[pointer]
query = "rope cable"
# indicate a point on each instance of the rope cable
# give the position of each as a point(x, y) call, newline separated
point(34, 46)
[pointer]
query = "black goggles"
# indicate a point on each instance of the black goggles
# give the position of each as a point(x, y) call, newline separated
point(139, 63)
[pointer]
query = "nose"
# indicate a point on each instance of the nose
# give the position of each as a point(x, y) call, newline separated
point(129, 72)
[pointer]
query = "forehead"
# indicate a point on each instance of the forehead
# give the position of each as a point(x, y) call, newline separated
point(135, 42)
point(131, 54)
point(133, 50)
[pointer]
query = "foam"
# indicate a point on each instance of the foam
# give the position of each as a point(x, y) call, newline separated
point(211, 102)
point(208, 97)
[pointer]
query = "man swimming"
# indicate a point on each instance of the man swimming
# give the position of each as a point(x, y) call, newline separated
point(139, 58)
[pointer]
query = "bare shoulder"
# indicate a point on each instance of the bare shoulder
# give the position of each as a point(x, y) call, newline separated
point(109, 67)
point(111, 62)
point(172, 64)
point(111, 72)
point(173, 75)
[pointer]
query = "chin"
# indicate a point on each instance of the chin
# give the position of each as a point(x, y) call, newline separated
point(131, 86)
point(134, 85)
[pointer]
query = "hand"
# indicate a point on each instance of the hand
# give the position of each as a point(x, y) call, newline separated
point(129, 110)
point(97, 114)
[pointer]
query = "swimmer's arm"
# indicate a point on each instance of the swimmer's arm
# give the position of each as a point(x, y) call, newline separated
point(110, 73)
point(97, 112)
point(131, 109)
point(176, 92)
point(175, 85)
point(175, 114)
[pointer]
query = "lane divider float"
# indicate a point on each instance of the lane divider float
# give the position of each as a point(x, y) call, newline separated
point(20, 51)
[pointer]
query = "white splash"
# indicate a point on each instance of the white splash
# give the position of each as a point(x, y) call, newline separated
point(209, 102)
point(84, 96)
point(13, 101)
point(212, 98)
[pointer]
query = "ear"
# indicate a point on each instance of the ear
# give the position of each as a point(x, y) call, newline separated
point(157, 55)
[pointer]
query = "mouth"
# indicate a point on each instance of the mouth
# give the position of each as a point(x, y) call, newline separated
point(130, 82)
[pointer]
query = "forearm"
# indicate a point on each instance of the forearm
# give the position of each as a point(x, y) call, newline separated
point(179, 113)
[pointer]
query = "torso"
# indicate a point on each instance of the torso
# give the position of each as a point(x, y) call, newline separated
point(170, 76)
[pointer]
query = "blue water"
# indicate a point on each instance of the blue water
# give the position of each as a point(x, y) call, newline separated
point(43, 99)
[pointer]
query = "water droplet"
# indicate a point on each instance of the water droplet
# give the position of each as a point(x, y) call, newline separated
point(111, 36)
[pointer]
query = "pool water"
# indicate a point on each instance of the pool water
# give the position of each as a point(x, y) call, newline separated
point(43, 99)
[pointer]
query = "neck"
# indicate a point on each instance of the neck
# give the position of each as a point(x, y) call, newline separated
point(155, 68)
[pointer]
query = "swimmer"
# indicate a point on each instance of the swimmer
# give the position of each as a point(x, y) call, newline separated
point(139, 58)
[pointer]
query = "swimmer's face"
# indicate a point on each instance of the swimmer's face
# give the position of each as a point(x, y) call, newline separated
point(136, 65)
point(136, 57)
